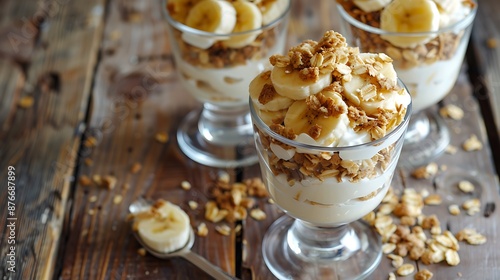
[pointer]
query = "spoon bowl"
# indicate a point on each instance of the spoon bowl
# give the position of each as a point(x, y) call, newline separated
point(185, 252)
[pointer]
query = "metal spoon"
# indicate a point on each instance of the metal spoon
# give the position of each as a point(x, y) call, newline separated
point(185, 252)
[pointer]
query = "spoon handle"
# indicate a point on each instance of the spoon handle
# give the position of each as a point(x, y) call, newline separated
point(206, 266)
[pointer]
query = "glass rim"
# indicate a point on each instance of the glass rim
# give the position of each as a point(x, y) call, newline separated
point(319, 148)
point(184, 28)
point(460, 25)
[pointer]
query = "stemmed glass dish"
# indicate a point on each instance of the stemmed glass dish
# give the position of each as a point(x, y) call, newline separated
point(329, 127)
point(321, 237)
point(218, 47)
point(427, 62)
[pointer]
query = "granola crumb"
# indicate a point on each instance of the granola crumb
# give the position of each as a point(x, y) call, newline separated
point(202, 230)
point(136, 167)
point(90, 142)
point(454, 209)
point(193, 204)
point(426, 171)
point(142, 252)
point(26, 102)
point(472, 144)
point(161, 137)
point(223, 229)
point(117, 199)
point(450, 149)
point(423, 274)
point(84, 180)
point(258, 214)
point(108, 182)
point(185, 185)
point(466, 186)
point(88, 161)
point(492, 43)
point(452, 111)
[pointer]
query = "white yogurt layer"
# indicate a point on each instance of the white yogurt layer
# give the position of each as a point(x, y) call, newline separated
point(225, 86)
point(429, 83)
point(328, 202)
point(455, 14)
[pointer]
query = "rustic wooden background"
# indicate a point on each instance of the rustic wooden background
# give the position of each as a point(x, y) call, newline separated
point(79, 61)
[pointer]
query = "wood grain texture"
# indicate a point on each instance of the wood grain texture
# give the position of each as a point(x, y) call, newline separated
point(41, 141)
point(136, 95)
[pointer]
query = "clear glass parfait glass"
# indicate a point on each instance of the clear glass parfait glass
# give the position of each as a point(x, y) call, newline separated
point(429, 69)
point(324, 191)
point(216, 69)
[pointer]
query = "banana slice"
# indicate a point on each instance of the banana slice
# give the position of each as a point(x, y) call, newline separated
point(179, 9)
point(264, 96)
point(165, 227)
point(248, 17)
point(290, 84)
point(447, 9)
point(213, 16)
point(361, 91)
point(371, 5)
point(413, 16)
point(272, 117)
point(272, 10)
point(323, 117)
point(448, 6)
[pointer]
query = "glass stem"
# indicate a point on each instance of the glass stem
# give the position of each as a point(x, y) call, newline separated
point(418, 128)
point(332, 243)
point(225, 125)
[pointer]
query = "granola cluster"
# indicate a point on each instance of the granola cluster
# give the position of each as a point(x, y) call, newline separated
point(407, 233)
point(443, 47)
point(326, 165)
point(332, 55)
point(219, 56)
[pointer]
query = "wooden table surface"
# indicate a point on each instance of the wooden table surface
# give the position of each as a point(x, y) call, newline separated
point(80, 61)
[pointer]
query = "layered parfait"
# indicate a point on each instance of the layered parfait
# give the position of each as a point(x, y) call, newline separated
point(427, 40)
point(329, 122)
point(219, 46)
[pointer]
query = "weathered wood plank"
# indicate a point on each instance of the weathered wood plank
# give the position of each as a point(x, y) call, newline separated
point(135, 96)
point(40, 142)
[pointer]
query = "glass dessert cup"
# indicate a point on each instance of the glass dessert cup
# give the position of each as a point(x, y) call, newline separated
point(218, 75)
point(428, 69)
point(321, 237)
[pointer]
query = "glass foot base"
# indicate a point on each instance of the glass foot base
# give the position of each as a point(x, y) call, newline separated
point(426, 139)
point(225, 147)
point(285, 263)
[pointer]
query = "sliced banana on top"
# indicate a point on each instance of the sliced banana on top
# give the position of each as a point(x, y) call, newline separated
point(362, 92)
point(448, 5)
point(290, 84)
point(264, 96)
point(179, 9)
point(165, 227)
point(213, 16)
point(322, 116)
point(371, 5)
point(272, 10)
point(410, 16)
point(248, 18)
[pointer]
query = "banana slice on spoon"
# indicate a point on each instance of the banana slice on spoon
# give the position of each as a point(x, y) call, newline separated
point(148, 226)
